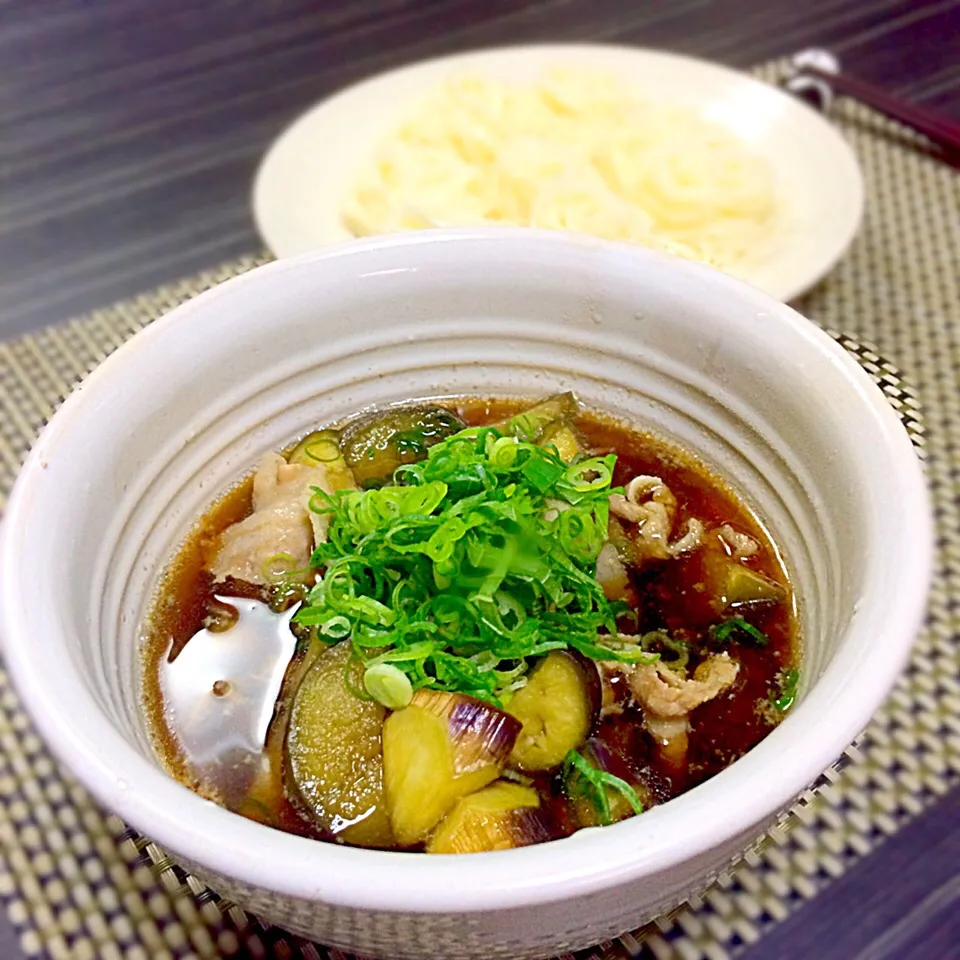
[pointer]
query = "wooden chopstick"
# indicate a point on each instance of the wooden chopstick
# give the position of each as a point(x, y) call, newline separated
point(939, 128)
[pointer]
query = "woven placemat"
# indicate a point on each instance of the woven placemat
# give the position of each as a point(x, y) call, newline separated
point(77, 884)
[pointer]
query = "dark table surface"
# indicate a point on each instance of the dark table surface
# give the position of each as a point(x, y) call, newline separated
point(131, 131)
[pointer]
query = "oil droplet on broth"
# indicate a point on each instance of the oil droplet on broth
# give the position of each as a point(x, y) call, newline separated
point(220, 693)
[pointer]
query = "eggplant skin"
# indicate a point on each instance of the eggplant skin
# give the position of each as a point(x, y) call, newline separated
point(440, 748)
point(499, 817)
point(732, 585)
point(334, 754)
point(375, 445)
point(535, 421)
point(480, 734)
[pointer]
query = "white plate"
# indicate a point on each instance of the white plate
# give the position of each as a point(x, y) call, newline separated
point(310, 167)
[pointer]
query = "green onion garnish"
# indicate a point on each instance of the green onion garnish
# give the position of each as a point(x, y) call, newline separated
point(469, 563)
point(279, 567)
point(388, 685)
point(729, 629)
point(324, 449)
point(582, 778)
point(788, 690)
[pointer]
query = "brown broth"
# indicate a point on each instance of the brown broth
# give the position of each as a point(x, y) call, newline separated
point(671, 597)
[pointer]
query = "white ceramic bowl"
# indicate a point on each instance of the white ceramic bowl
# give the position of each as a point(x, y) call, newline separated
point(178, 413)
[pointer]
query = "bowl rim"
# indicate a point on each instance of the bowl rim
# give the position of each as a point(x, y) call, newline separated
point(229, 846)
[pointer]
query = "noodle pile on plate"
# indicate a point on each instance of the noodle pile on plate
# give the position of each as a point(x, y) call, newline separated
point(573, 151)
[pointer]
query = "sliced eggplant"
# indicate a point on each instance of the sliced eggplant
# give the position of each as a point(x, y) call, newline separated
point(557, 709)
point(334, 753)
point(533, 424)
point(418, 773)
point(746, 586)
point(498, 817)
point(437, 750)
point(731, 583)
point(374, 446)
point(563, 438)
point(480, 735)
point(322, 448)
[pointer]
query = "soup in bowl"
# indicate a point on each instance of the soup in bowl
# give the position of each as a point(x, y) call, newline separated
point(690, 508)
point(468, 625)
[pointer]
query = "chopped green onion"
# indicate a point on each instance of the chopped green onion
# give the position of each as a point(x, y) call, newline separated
point(388, 685)
point(336, 628)
point(722, 632)
point(788, 690)
point(324, 449)
point(592, 474)
point(524, 426)
point(469, 563)
point(502, 452)
point(278, 567)
point(543, 474)
point(582, 778)
point(660, 638)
